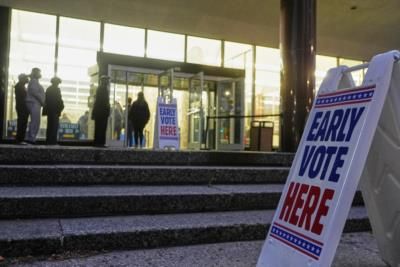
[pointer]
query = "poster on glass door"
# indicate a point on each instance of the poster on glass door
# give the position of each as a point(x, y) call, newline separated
point(166, 127)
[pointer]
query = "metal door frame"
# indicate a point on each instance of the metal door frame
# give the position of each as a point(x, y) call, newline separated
point(127, 70)
point(192, 145)
point(240, 145)
point(161, 90)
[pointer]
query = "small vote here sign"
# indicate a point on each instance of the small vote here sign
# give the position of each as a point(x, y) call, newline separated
point(168, 121)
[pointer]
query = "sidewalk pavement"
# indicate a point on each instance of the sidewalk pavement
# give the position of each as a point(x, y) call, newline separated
point(355, 250)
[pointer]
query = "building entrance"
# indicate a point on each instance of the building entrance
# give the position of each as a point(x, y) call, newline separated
point(209, 104)
point(199, 98)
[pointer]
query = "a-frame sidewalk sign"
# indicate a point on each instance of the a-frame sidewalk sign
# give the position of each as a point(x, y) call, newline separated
point(166, 128)
point(352, 134)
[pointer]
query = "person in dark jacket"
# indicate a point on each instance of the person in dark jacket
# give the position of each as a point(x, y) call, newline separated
point(101, 111)
point(20, 106)
point(52, 109)
point(129, 131)
point(139, 115)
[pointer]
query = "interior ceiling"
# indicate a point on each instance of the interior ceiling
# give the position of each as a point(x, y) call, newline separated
point(350, 28)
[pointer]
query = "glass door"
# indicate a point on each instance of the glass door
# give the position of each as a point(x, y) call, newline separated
point(230, 109)
point(195, 112)
point(124, 87)
point(118, 92)
point(165, 85)
point(135, 85)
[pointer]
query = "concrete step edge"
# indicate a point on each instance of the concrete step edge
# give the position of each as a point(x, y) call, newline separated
point(84, 155)
point(70, 175)
point(35, 237)
point(25, 202)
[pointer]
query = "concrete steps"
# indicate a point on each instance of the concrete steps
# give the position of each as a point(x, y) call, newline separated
point(59, 199)
point(31, 202)
point(113, 156)
point(50, 201)
point(138, 174)
point(48, 236)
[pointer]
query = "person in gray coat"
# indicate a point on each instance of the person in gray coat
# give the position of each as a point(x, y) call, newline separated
point(35, 98)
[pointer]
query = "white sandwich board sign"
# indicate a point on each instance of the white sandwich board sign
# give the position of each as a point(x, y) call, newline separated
point(327, 167)
point(166, 130)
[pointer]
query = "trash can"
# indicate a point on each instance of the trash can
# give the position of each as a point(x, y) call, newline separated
point(261, 135)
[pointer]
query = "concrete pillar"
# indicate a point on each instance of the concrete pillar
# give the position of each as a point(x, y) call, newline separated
point(5, 29)
point(297, 44)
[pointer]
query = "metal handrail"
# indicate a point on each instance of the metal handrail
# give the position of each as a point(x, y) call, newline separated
point(234, 117)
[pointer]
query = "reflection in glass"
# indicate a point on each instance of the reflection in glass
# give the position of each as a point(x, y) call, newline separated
point(195, 112)
point(163, 45)
point(123, 40)
point(268, 67)
point(236, 55)
point(79, 41)
point(230, 109)
point(322, 65)
point(358, 75)
point(240, 56)
point(33, 38)
point(203, 51)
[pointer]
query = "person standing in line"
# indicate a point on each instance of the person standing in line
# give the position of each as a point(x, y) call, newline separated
point(118, 119)
point(35, 98)
point(52, 108)
point(20, 106)
point(83, 125)
point(139, 115)
point(129, 130)
point(101, 111)
point(64, 118)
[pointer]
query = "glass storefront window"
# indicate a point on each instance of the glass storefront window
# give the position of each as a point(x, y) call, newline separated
point(203, 51)
point(163, 45)
point(240, 56)
point(79, 41)
point(33, 44)
point(123, 40)
point(236, 55)
point(33, 39)
point(322, 65)
point(268, 67)
point(358, 75)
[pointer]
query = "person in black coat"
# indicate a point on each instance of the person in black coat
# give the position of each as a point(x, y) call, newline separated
point(101, 111)
point(139, 115)
point(20, 106)
point(52, 108)
point(129, 131)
